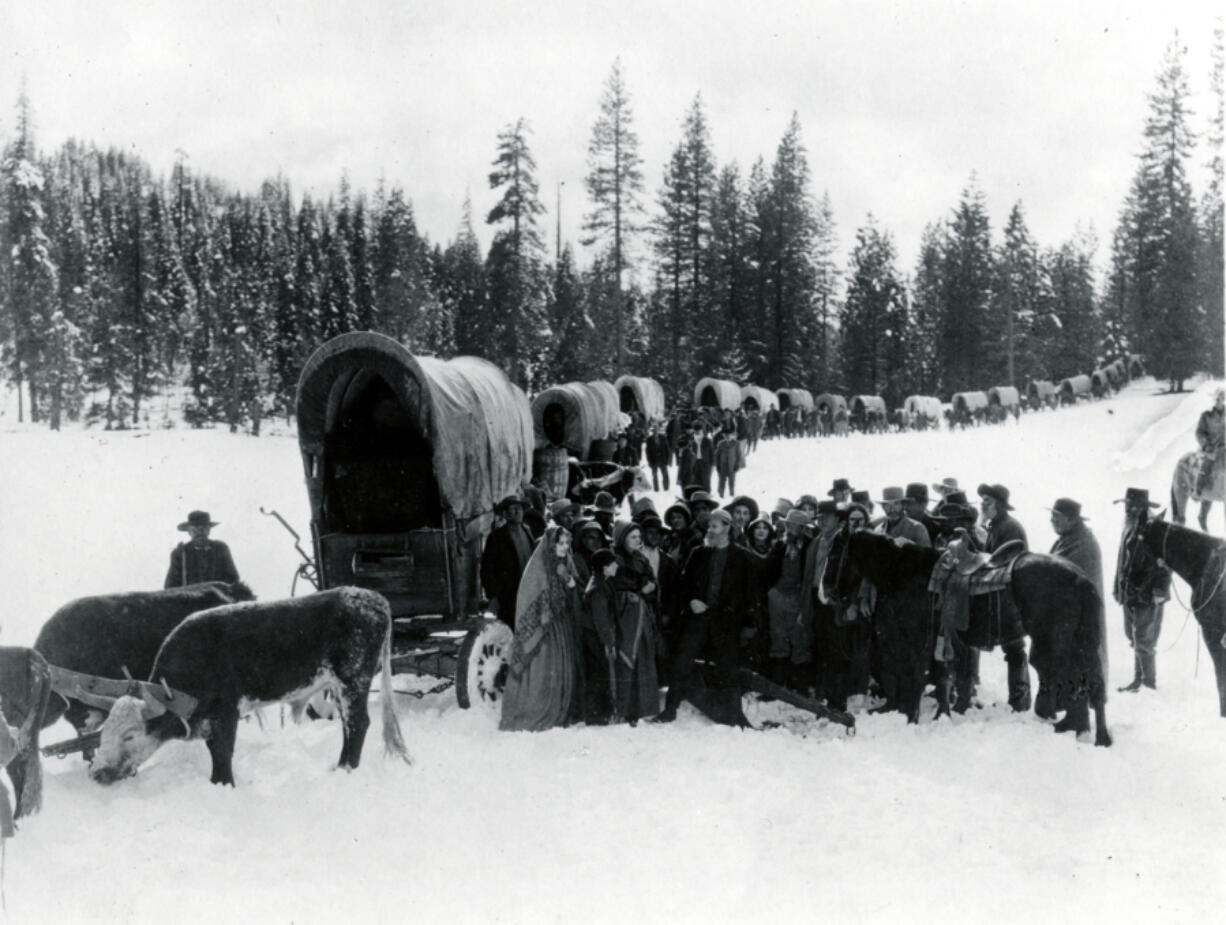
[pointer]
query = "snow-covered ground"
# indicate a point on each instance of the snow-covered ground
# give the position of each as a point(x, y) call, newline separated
point(985, 818)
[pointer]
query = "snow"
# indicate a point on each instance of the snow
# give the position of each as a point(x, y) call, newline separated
point(986, 817)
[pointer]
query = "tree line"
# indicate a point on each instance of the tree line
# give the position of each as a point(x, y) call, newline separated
point(118, 287)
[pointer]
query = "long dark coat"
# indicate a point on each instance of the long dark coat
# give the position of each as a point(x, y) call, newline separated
point(501, 569)
point(191, 564)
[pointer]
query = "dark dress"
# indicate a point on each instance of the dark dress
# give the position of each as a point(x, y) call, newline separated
point(191, 563)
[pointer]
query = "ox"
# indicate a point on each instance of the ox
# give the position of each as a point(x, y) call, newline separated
point(113, 634)
point(235, 657)
point(25, 685)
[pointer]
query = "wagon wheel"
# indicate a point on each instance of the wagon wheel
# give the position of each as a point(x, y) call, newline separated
point(481, 669)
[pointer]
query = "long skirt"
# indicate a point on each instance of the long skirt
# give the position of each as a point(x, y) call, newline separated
point(542, 696)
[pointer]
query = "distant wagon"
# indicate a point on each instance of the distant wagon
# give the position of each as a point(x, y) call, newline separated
point(922, 411)
point(1100, 383)
point(1075, 388)
point(717, 393)
point(795, 398)
point(1003, 400)
point(405, 458)
point(1040, 393)
point(1136, 366)
point(756, 398)
point(638, 393)
point(867, 413)
point(572, 415)
point(967, 408)
point(831, 413)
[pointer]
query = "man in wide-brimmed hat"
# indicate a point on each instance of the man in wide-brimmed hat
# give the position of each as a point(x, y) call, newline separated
point(1001, 526)
point(946, 486)
point(604, 510)
point(744, 510)
point(1142, 585)
point(1076, 543)
point(897, 524)
point(564, 512)
point(199, 558)
point(840, 491)
point(915, 506)
point(506, 554)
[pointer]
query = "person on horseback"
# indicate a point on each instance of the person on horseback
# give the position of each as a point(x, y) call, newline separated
point(1211, 435)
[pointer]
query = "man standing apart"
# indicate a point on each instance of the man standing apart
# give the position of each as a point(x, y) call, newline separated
point(1211, 436)
point(504, 558)
point(1076, 543)
point(200, 558)
point(1142, 586)
point(715, 609)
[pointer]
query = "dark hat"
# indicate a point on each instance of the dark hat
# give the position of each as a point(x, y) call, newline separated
point(651, 519)
point(956, 497)
point(916, 491)
point(890, 494)
point(827, 507)
point(198, 519)
point(689, 491)
point(1136, 497)
point(839, 485)
point(622, 529)
point(744, 501)
point(641, 507)
point(561, 506)
point(585, 526)
point(861, 498)
point(604, 502)
point(683, 508)
point(508, 501)
point(997, 492)
point(1069, 508)
point(703, 497)
point(602, 558)
point(806, 499)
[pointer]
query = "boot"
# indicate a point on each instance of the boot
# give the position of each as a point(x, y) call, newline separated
point(1077, 719)
point(1149, 672)
point(1019, 679)
point(1137, 676)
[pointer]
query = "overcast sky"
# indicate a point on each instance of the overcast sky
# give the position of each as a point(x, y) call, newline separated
point(899, 101)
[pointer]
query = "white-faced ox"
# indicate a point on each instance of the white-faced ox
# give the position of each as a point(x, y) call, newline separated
point(235, 657)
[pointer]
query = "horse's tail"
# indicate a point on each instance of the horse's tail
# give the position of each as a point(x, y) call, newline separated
point(30, 799)
point(393, 740)
point(1177, 489)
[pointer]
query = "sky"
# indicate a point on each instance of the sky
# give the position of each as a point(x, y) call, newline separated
point(899, 102)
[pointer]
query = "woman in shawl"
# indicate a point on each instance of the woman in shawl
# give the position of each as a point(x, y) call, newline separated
point(638, 688)
point(543, 681)
point(760, 542)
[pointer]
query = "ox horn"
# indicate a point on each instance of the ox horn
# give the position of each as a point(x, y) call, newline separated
point(170, 695)
point(153, 707)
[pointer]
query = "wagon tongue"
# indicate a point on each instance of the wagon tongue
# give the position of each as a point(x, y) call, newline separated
point(87, 742)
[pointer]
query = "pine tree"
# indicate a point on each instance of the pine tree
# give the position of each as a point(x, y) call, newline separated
point(1069, 270)
point(967, 272)
point(27, 262)
point(874, 319)
point(614, 184)
point(730, 339)
point(1015, 299)
point(1210, 273)
point(514, 267)
point(1166, 315)
point(927, 311)
point(362, 261)
point(826, 282)
point(462, 288)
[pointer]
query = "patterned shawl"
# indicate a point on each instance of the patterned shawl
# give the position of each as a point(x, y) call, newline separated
point(544, 596)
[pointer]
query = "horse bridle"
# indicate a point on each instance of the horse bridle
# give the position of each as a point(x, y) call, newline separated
point(1166, 534)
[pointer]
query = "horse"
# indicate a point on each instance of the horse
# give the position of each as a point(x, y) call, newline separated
point(1199, 560)
point(1058, 607)
point(1184, 487)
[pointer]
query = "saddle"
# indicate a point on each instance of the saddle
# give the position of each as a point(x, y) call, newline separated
point(960, 575)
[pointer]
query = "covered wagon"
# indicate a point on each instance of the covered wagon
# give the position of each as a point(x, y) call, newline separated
point(795, 398)
point(572, 415)
point(1100, 383)
point(721, 394)
point(638, 393)
point(1075, 388)
point(1040, 393)
point(968, 408)
point(405, 458)
point(831, 413)
point(756, 398)
point(922, 412)
point(1003, 400)
point(867, 413)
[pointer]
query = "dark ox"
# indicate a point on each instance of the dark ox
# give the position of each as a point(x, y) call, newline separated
point(106, 634)
point(238, 656)
point(25, 685)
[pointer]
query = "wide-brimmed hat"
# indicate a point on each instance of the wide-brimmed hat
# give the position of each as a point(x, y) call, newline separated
point(744, 501)
point(998, 493)
point(891, 494)
point(782, 507)
point(839, 485)
point(585, 526)
point(945, 486)
point(198, 519)
point(1069, 508)
point(949, 513)
point(683, 508)
point(862, 498)
point(651, 519)
point(689, 491)
point(806, 499)
point(916, 491)
point(798, 518)
point(956, 497)
point(703, 497)
point(508, 501)
point(828, 507)
point(1136, 497)
point(604, 502)
point(561, 506)
point(602, 558)
point(642, 506)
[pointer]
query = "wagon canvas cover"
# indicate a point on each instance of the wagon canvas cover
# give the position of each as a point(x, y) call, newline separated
point(477, 421)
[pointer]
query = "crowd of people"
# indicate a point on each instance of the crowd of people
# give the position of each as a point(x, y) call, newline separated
point(682, 599)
